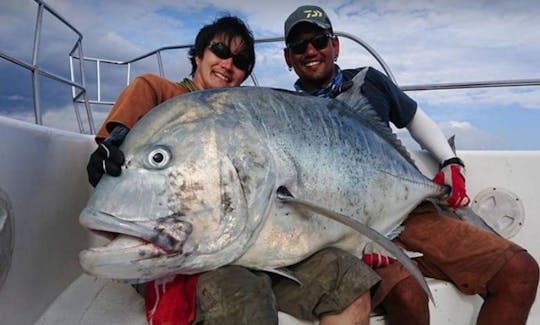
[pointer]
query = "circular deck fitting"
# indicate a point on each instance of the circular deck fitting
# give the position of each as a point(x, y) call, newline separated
point(6, 236)
point(501, 209)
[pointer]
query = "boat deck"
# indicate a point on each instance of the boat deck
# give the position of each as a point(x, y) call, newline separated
point(43, 188)
point(43, 280)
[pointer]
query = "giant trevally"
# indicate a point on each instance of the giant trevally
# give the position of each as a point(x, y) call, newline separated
point(199, 188)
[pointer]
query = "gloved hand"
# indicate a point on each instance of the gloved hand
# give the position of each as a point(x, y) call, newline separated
point(452, 173)
point(107, 158)
point(376, 260)
point(375, 256)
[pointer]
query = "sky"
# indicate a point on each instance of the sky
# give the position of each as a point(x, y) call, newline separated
point(422, 42)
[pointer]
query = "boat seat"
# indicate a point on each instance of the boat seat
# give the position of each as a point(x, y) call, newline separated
point(91, 301)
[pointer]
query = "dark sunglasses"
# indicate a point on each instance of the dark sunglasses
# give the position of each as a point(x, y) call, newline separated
point(319, 42)
point(222, 51)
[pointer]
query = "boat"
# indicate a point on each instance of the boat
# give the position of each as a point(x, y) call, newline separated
point(43, 187)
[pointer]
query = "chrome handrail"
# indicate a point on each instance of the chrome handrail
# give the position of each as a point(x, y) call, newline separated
point(80, 94)
point(474, 84)
point(157, 52)
point(359, 41)
point(78, 89)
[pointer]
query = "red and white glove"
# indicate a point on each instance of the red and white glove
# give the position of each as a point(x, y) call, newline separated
point(453, 174)
point(375, 256)
point(376, 260)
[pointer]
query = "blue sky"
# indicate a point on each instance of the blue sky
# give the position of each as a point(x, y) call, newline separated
point(421, 41)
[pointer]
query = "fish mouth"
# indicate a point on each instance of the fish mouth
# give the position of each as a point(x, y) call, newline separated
point(165, 235)
point(122, 247)
point(132, 245)
point(125, 258)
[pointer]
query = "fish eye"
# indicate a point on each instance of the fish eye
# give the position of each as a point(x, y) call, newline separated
point(159, 157)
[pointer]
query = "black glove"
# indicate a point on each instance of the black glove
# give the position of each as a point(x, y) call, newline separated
point(107, 158)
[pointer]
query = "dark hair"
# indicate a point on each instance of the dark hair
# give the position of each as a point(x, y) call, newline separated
point(230, 27)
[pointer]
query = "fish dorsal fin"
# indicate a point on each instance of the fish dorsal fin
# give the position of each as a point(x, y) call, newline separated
point(358, 107)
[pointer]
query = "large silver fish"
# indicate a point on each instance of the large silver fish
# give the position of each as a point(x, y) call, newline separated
point(202, 172)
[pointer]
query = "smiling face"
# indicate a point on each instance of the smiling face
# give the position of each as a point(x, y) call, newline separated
point(215, 72)
point(314, 67)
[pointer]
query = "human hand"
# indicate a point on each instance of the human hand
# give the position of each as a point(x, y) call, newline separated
point(375, 256)
point(107, 158)
point(452, 173)
point(376, 260)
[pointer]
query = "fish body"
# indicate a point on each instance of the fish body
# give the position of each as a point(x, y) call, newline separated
point(198, 189)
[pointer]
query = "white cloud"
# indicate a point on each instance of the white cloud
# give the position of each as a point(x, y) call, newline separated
point(496, 97)
point(467, 137)
point(422, 41)
point(15, 97)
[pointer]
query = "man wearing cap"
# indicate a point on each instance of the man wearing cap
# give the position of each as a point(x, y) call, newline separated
point(476, 261)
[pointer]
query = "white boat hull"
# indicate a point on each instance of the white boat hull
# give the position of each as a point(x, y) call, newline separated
point(43, 178)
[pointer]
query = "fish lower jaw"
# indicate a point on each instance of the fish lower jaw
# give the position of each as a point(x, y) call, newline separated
point(123, 252)
point(105, 234)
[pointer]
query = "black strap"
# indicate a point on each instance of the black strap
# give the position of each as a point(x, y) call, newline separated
point(454, 160)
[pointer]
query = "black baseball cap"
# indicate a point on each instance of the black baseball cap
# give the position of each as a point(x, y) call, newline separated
point(309, 14)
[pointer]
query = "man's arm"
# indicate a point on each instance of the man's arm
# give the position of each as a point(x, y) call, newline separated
point(452, 169)
point(429, 136)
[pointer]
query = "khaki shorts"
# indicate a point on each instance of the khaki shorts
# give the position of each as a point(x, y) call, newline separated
point(233, 295)
point(453, 250)
point(331, 280)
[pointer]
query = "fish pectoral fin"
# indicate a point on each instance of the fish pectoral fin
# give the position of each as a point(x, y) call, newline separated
point(284, 272)
point(284, 195)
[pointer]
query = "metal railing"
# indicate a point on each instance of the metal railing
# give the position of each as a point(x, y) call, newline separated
point(431, 86)
point(79, 93)
point(157, 53)
point(79, 90)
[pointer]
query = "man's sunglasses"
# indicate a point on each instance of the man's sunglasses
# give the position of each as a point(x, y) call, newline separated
point(319, 42)
point(222, 51)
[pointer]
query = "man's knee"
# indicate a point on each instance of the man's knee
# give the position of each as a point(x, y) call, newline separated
point(331, 280)
point(409, 295)
point(356, 313)
point(341, 277)
point(235, 295)
point(527, 268)
point(518, 277)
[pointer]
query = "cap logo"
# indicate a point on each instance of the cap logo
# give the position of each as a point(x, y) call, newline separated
point(313, 13)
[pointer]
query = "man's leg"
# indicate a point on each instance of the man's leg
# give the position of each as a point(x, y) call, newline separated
point(511, 292)
point(356, 313)
point(407, 303)
point(475, 261)
point(233, 295)
point(335, 289)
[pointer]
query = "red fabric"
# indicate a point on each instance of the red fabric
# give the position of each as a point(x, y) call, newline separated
point(171, 301)
point(376, 260)
point(452, 175)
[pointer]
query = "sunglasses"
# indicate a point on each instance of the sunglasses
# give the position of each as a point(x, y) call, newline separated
point(222, 51)
point(319, 42)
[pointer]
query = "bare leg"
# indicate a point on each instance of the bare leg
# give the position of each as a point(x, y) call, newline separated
point(407, 304)
point(357, 313)
point(511, 292)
